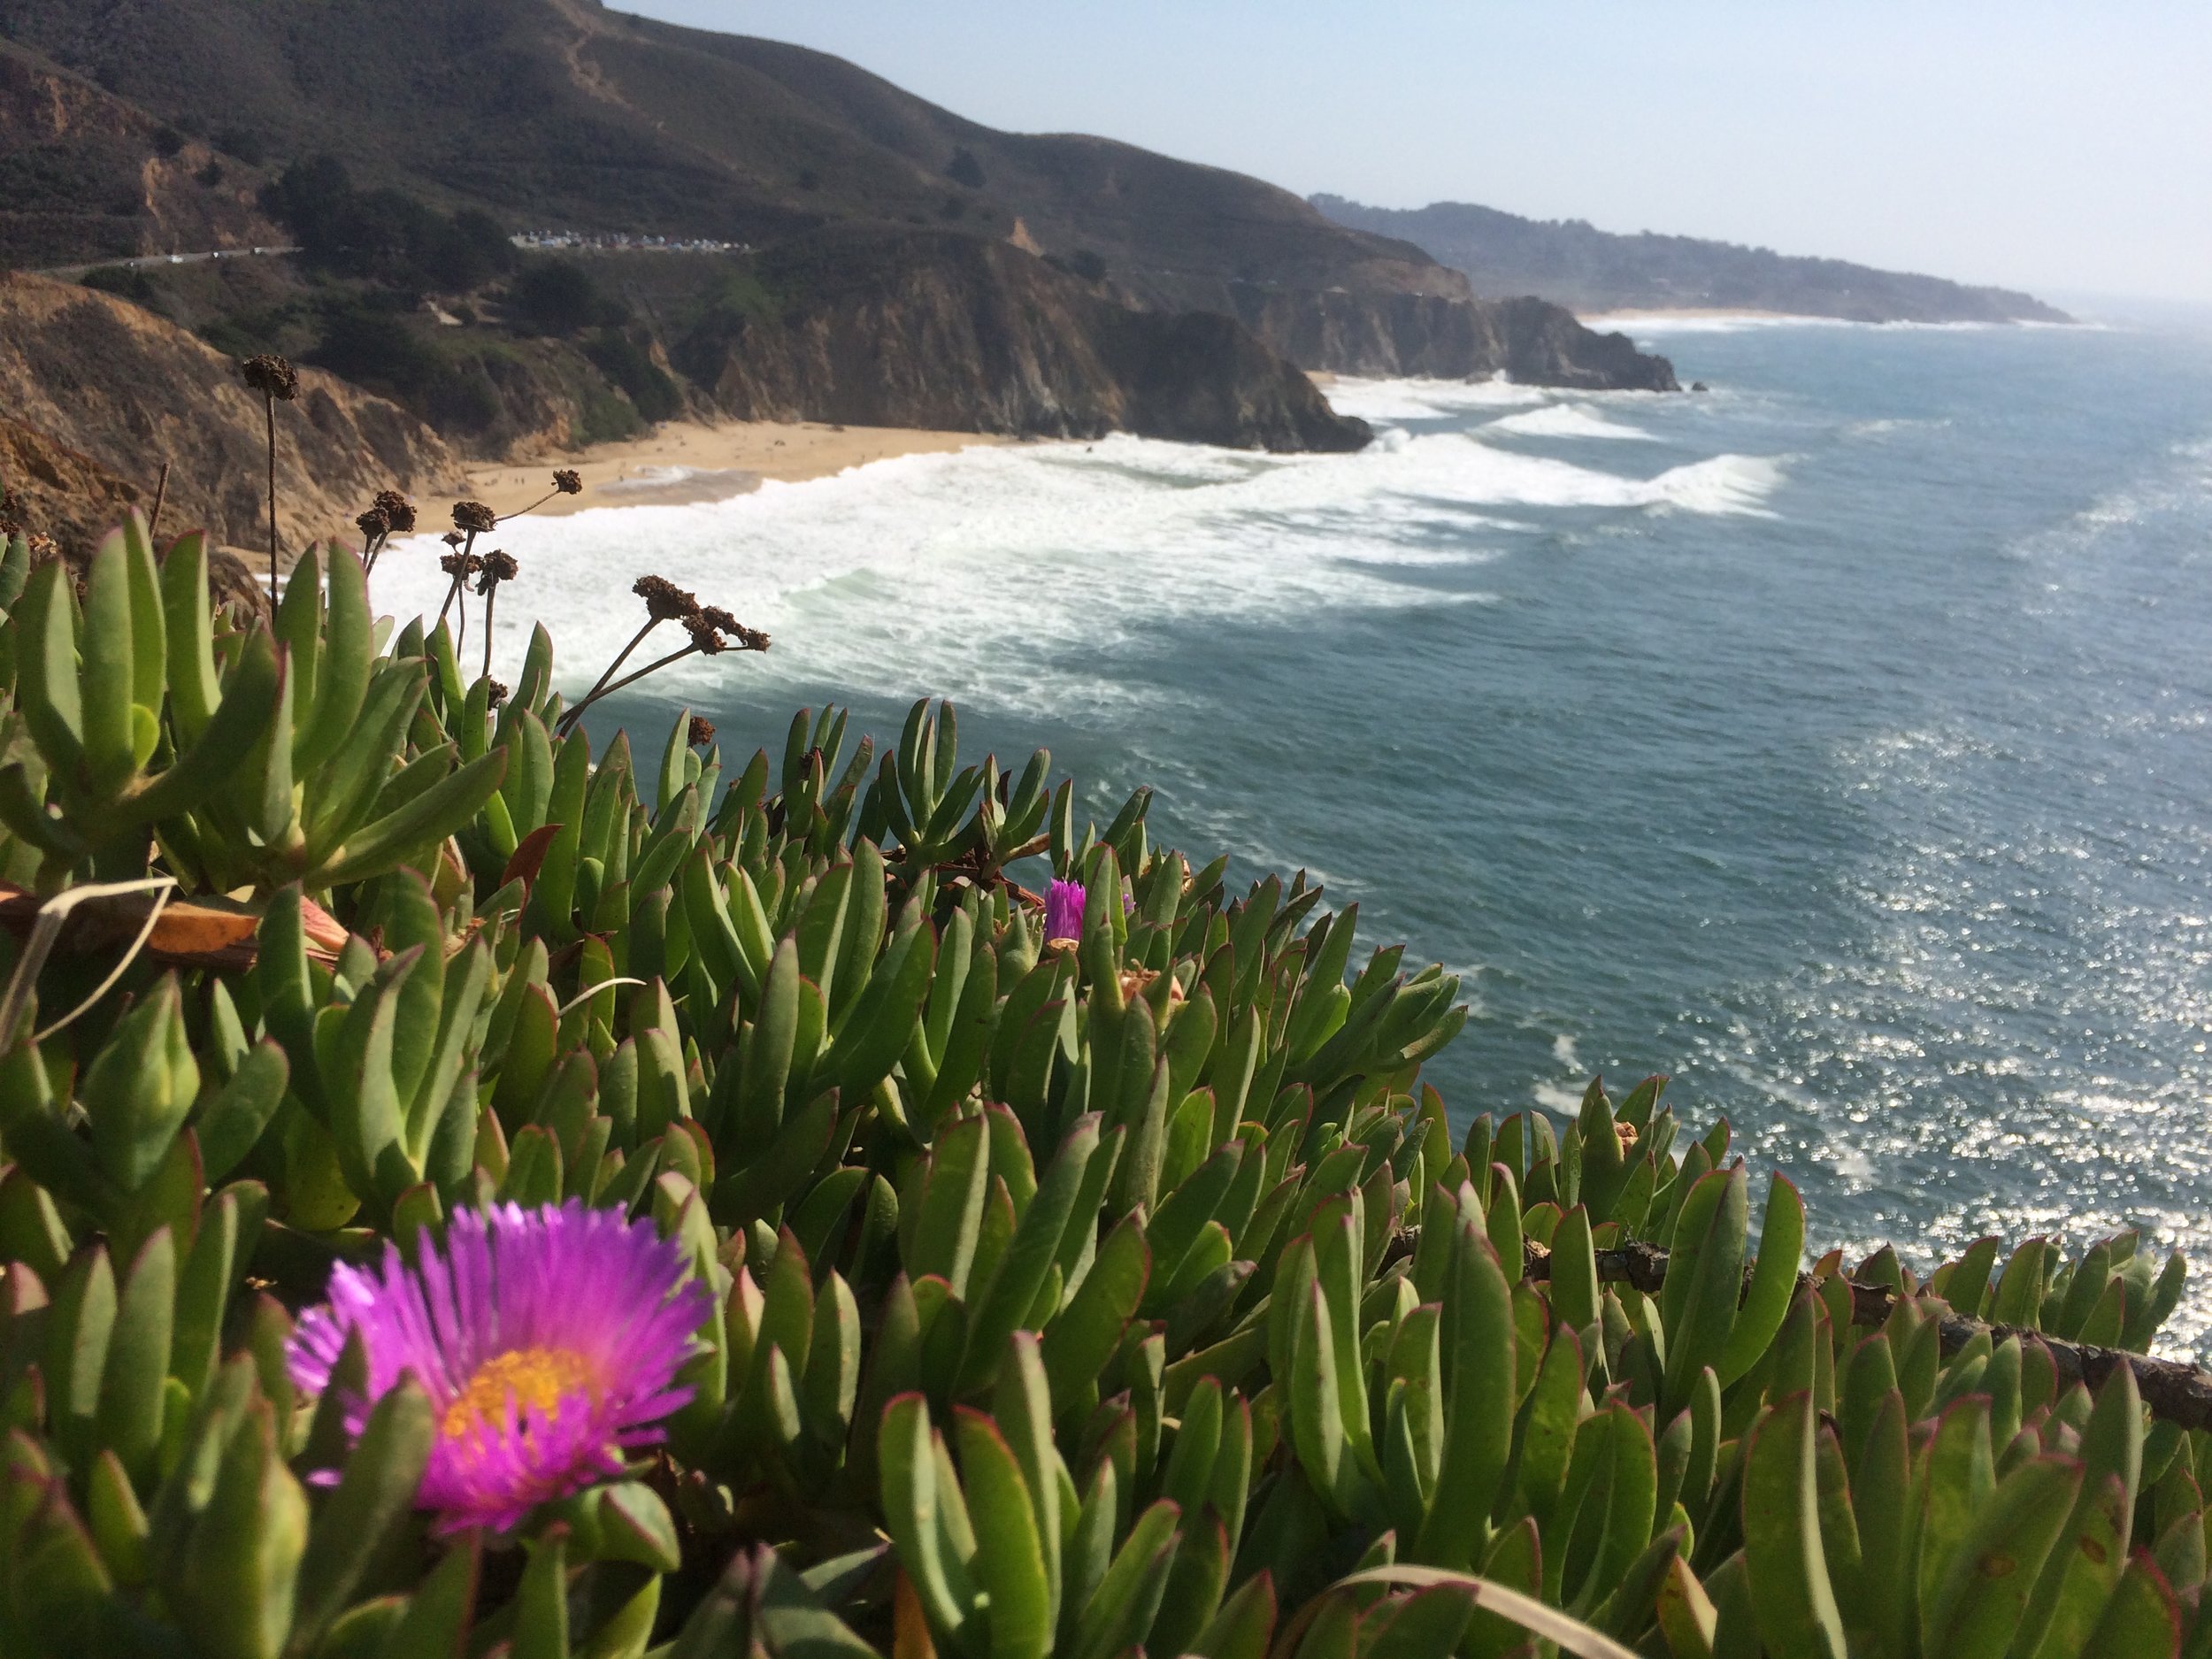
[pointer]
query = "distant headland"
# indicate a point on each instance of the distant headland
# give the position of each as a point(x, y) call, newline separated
point(1571, 263)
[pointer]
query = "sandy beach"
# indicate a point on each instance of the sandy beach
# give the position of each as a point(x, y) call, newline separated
point(681, 462)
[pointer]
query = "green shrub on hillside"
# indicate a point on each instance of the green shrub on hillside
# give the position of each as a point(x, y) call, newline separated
point(558, 297)
point(385, 235)
point(755, 1225)
point(124, 281)
point(631, 366)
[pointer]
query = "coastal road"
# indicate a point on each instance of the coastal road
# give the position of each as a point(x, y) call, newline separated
point(70, 270)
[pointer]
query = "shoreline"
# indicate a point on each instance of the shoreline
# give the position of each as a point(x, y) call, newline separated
point(1642, 313)
point(1695, 317)
point(686, 463)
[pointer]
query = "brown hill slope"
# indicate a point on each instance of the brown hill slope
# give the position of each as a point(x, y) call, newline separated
point(99, 393)
point(85, 174)
point(561, 113)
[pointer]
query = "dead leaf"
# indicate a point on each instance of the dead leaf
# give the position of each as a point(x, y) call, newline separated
point(529, 856)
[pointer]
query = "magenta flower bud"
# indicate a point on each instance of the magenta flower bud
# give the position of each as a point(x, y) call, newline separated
point(1064, 910)
point(547, 1340)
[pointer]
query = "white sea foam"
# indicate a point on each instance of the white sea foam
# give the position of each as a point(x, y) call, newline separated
point(1725, 484)
point(1030, 578)
point(1567, 420)
point(1663, 322)
point(1423, 399)
point(653, 477)
point(1891, 425)
point(652, 481)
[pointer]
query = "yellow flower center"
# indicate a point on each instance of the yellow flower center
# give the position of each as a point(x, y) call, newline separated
point(538, 1377)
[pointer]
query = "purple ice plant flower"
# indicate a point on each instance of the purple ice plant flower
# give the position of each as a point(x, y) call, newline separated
point(1064, 910)
point(547, 1339)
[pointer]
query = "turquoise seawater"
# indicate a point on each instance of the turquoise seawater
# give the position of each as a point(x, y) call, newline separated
point(1835, 742)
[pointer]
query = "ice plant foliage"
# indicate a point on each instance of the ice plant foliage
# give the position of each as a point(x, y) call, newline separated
point(1064, 910)
point(547, 1340)
point(1116, 1291)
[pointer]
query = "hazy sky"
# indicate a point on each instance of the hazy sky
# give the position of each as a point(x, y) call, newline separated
point(2044, 146)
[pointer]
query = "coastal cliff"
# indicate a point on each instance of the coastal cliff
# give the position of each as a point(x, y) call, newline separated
point(1385, 308)
point(580, 119)
point(949, 332)
point(98, 393)
point(1371, 334)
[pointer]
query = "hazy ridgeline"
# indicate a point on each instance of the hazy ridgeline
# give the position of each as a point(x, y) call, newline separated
point(1072, 1278)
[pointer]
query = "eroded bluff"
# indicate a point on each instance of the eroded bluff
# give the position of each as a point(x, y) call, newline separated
point(964, 334)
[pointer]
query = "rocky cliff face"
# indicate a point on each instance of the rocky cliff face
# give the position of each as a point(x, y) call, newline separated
point(1378, 334)
point(953, 332)
point(1409, 316)
point(99, 393)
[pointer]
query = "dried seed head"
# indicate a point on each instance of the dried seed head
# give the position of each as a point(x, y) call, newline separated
point(704, 636)
point(373, 523)
point(475, 517)
point(463, 565)
point(451, 538)
point(702, 731)
point(399, 512)
point(735, 632)
point(271, 376)
point(568, 480)
point(664, 602)
point(498, 567)
point(498, 692)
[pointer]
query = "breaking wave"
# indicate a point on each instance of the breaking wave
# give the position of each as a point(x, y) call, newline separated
point(977, 573)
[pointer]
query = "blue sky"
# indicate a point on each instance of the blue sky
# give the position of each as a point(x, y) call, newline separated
point(2060, 148)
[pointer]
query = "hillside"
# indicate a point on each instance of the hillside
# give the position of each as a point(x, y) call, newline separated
point(1573, 264)
point(561, 114)
point(97, 395)
point(86, 175)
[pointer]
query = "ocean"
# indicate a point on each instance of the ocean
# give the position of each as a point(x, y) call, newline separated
point(1834, 741)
